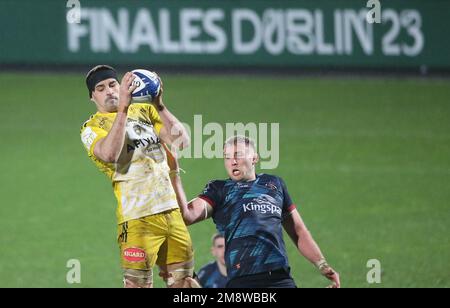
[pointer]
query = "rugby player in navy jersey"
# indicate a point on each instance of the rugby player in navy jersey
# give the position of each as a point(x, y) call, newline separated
point(250, 210)
point(214, 274)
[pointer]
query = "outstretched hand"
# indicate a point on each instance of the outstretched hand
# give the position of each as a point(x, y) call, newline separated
point(332, 275)
point(126, 88)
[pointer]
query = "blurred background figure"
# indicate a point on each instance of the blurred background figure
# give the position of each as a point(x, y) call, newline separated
point(214, 274)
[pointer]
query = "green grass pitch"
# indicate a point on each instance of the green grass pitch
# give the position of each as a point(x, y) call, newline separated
point(367, 161)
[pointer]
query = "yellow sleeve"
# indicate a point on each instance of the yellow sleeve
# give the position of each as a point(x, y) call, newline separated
point(90, 136)
point(156, 120)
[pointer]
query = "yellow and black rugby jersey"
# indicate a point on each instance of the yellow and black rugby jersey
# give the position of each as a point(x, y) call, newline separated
point(140, 177)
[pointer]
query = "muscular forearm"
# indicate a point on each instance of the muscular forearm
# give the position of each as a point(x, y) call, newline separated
point(308, 247)
point(181, 198)
point(109, 148)
point(176, 133)
point(179, 191)
point(193, 211)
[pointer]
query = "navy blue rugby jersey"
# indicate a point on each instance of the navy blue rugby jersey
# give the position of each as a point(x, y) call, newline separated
point(250, 215)
point(211, 277)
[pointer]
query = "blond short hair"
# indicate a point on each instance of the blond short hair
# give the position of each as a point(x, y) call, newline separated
point(240, 139)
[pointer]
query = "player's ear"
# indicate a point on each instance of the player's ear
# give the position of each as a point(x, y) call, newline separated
point(255, 159)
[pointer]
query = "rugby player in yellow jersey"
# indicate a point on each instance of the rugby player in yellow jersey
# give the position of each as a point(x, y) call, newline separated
point(124, 140)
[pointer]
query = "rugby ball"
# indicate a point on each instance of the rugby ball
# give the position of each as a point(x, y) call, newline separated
point(148, 86)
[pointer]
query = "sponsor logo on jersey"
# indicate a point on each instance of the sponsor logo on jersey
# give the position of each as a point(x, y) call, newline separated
point(262, 208)
point(271, 186)
point(88, 137)
point(140, 121)
point(144, 142)
point(134, 254)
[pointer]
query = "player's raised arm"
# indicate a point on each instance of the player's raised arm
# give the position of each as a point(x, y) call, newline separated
point(300, 235)
point(172, 132)
point(193, 211)
point(109, 148)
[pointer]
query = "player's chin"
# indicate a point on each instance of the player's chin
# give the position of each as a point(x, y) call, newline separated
point(112, 102)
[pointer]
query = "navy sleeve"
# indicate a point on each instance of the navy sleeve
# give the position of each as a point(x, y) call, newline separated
point(288, 205)
point(212, 193)
point(202, 276)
